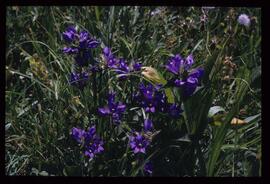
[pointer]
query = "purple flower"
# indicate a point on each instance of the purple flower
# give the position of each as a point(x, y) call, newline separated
point(77, 134)
point(148, 167)
point(150, 107)
point(113, 109)
point(94, 147)
point(147, 91)
point(187, 81)
point(150, 98)
point(197, 73)
point(138, 143)
point(188, 62)
point(70, 50)
point(174, 64)
point(91, 143)
point(112, 62)
point(148, 125)
point(70, 34)
point(90, 134)
point(137, 66)
point(175, 110)
point(120, 65)
point(161, 100)
point(243, 19)
point(79, 79)
point(177, 64)
point(85, 41)
point(123, 66)
point(79, 45)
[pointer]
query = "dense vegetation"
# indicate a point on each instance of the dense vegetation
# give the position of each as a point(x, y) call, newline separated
point(133, 91)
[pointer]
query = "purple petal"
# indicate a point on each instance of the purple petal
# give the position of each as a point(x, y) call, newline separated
point(188, 62)
point(132, 145)
point(179, 83)
point(142, 150)
point(104, 111)
point(93, 44)
point(136, 150)
point(152, 109)
point(121, 107)
point(89, 154)
point(148, 125)
point(192, 80)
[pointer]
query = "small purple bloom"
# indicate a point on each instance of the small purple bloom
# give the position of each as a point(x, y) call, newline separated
point(179, 83)
point(148, 167)
point(112, 62)
point(84, 37)
point(244, 20)
point(113, 109)
point(123, 66)
point(186, 80)
point(91, 143)
point(150, 98)
point(94, 147)
point(197, 73)
point(86, 41)
point(77, 134)
point(69, 50)
point(79, 79)
point(188, 62)
point(148, 125)
point(90, 133)
point(188, 89)
point(161, 100)
point(137, 66)
point(107, 51)
point(70, 34)
point(174, 64)
point(138, 143)
point(175, 110)
point(147, 91)
point(79, 45)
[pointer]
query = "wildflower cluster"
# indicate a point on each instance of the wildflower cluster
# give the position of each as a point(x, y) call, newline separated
point(119, 65)
point(113, 109)
point(183, 78)
point(91, 143)
point(152, 99)
point(138, 142)
point(79, 45)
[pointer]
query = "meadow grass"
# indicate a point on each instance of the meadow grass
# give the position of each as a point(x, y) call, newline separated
point(42, 107)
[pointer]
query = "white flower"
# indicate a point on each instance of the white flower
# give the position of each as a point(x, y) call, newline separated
point(156, 12)
point(244, 20)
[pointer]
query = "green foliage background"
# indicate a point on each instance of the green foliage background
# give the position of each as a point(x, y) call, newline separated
point(40, 109)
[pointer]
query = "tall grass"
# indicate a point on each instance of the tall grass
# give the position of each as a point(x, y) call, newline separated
point(41, 111)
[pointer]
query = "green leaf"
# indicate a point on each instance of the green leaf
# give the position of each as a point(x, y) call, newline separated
point(217, 123)
point(251, 118)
